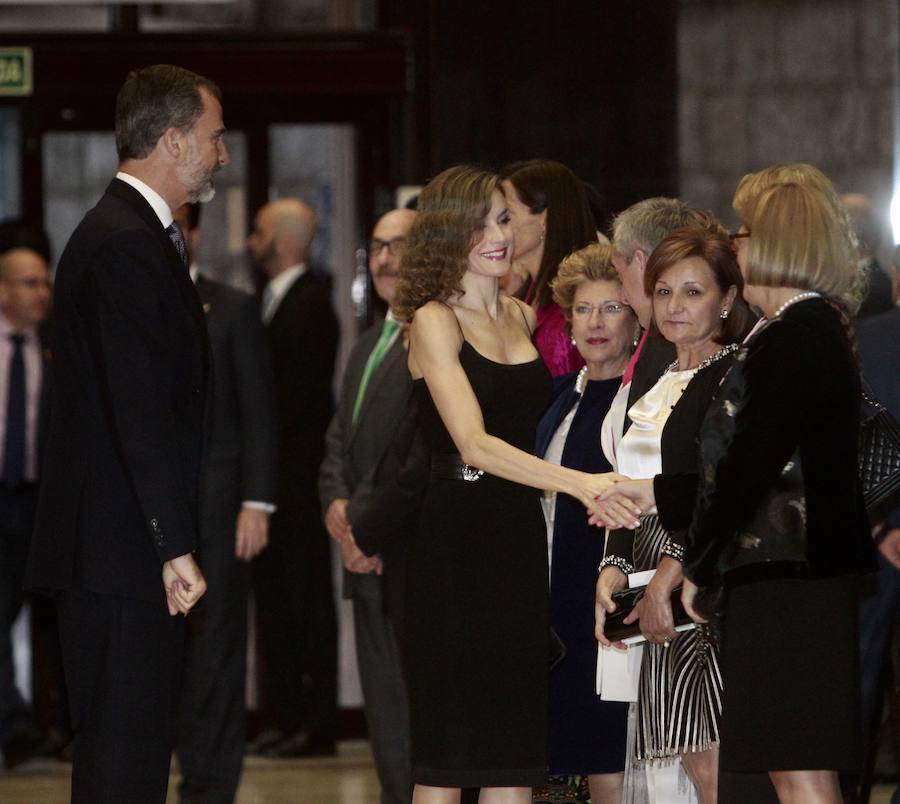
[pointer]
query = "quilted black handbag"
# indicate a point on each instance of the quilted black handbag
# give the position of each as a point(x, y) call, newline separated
point(879, 457)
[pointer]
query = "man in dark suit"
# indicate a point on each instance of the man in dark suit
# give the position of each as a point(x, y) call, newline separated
point(24, 304)
point(292, 578)
point(376, 398)
point(237, 495)
point(117, 512)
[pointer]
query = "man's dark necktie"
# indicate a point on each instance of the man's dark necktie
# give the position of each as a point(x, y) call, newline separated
point(14, 446)
point(173, 230)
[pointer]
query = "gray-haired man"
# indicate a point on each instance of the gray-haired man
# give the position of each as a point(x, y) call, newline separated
point(117, 513)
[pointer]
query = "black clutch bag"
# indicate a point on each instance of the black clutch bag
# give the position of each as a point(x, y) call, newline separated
point(879, 457)
point(615, 630)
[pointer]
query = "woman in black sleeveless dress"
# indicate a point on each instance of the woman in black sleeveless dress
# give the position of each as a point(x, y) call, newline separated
point(478, 643)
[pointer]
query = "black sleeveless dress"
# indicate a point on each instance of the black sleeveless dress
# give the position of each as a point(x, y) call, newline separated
point(477, 612)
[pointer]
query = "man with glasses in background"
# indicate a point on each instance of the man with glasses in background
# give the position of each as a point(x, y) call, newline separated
point(366, 511)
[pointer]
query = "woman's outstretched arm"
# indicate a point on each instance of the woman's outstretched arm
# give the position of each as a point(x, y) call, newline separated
point(435, 341)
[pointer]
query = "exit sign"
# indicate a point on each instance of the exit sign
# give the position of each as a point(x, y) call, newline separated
point(15, 71)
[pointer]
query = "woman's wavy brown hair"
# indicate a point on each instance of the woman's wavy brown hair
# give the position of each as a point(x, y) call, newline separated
point(449, 220)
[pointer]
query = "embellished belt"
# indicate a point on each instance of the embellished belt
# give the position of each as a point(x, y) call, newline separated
point(452, 467)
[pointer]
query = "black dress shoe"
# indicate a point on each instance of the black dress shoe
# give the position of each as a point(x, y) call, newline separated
point(301, 744)
point(264, 741)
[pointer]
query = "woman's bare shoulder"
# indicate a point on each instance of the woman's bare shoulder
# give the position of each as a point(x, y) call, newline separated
point(436, 318)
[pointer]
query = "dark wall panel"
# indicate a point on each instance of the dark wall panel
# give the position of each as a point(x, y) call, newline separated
point(589, 82)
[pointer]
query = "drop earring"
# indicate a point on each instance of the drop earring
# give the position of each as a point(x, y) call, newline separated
point(723, 314)
point(572, 339)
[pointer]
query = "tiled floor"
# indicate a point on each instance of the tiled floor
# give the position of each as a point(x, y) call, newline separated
point(348, 778)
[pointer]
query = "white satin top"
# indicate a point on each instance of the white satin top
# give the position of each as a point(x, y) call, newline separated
point(613, 425)
point(639, 453)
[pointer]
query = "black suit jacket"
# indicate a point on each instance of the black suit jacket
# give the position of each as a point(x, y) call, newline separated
point(130, 362)
point(371, 462)
point(303, 338)
point(240, 462)
point(798, 388)
point(654, 359)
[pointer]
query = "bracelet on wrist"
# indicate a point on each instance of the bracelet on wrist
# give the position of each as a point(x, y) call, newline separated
point(674, 550)
point(616, 561)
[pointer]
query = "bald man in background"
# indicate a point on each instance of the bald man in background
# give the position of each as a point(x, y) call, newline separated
point(292, 579)
point(24, 304)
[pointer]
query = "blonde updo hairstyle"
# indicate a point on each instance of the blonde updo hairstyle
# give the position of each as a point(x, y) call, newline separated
point(449, 221)
point(800, 239)
point(829, 227)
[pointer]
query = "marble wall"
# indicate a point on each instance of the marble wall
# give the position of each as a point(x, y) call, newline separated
point(769, 81)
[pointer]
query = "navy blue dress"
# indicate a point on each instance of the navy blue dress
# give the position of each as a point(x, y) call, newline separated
point(586, 735)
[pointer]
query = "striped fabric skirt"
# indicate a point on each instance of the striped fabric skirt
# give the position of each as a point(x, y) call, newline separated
point(680, 692)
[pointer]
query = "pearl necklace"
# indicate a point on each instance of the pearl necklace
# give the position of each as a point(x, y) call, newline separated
point(730, 349)
point(581, 381)
point(807, 294)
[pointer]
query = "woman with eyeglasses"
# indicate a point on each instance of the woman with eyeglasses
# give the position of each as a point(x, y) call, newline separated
point(695, 284)
point(587, 735)
point(780, 522)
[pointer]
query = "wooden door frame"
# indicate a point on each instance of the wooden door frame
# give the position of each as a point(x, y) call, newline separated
point(359, 79)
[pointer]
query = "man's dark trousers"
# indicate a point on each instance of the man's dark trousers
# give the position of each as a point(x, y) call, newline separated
point(16, 521)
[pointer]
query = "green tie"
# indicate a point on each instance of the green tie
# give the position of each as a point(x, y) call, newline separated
point(374, 361)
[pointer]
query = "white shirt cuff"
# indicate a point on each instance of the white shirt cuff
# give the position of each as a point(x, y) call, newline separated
point(259, 506)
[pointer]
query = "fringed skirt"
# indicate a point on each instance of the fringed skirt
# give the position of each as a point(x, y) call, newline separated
point(680, 692)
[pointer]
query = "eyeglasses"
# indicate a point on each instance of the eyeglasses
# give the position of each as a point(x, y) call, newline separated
point(608, 310)
point(737, 236)
point(395, 247)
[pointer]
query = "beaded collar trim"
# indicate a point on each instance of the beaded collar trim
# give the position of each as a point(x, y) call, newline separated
point(724, 352)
